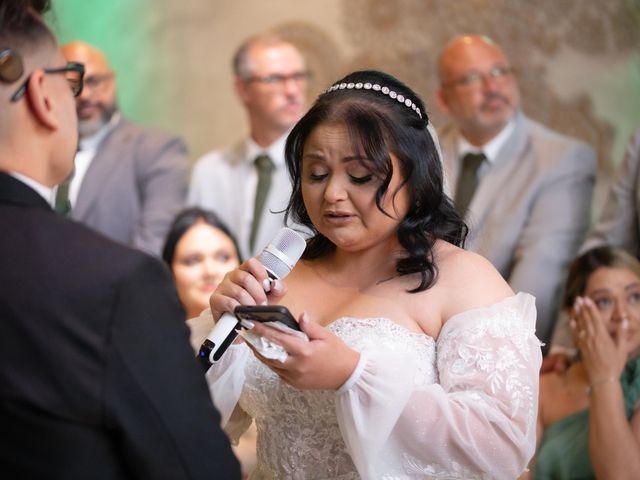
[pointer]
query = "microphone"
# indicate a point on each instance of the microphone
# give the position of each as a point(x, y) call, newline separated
point(279, 258)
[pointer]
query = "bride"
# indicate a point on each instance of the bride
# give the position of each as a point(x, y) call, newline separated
point(421, 362)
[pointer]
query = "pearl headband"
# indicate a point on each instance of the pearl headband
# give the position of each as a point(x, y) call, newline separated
point(377, 88)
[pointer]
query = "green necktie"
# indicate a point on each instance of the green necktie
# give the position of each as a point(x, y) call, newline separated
point(264, 166)
point(468, 181)
point(63, 204)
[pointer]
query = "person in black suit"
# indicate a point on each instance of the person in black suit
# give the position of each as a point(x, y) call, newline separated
point(97, 378)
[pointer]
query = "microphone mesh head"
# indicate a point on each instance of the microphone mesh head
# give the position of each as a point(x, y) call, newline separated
point(284, 251)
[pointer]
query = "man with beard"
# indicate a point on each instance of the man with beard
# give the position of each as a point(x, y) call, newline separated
point(129, 181)
point(524, 190)
point(247, 184)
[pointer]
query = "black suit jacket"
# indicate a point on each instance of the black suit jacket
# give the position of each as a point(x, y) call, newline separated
point(97, 378)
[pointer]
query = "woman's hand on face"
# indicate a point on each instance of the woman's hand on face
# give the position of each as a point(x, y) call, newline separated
point(603, 356)
point(324, 362)
point(246, 285)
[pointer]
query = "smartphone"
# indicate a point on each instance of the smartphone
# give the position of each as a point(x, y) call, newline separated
point(267, 313)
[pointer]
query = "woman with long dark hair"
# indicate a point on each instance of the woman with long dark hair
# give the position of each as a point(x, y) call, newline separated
point(420, 360)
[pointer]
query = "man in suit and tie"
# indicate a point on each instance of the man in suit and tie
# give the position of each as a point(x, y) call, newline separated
point(97, 377)
point(247, 184)
point(129, 181)
point(524, 190)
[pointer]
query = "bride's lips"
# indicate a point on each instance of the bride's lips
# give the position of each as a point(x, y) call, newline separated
point(338, 217)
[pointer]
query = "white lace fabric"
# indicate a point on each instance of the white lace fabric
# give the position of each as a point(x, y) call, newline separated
point(463, 407)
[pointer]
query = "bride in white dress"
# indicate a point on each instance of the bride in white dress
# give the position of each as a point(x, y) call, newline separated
point(421, 362)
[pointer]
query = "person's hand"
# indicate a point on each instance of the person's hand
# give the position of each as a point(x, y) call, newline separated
point(555, 362)
point(324, 362)
point(604, 357)
point(246, 285)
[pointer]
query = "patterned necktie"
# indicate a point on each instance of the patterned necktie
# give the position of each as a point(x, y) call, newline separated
point(63, 204)
point(264, 166)
point(468, 181)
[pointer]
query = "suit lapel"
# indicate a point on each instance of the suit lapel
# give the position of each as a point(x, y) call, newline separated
point(493, 181)
point(101, 168)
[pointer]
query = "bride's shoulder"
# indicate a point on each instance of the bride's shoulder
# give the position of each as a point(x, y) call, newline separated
point(467, 280)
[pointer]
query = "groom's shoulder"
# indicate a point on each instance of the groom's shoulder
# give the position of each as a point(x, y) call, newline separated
point(96, 254)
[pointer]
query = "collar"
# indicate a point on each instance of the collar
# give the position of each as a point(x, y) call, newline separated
point(92, 142)
point(492, 147)
point(275, 150)
point(42, 190)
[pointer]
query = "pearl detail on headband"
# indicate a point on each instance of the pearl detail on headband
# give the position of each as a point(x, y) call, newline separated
point(377, 88)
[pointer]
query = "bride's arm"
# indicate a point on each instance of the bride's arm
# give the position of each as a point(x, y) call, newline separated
point(479, 420)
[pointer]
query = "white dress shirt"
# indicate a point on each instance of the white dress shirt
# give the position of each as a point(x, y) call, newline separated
point(225, 181)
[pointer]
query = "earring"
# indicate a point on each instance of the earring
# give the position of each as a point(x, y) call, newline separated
point(11, 68)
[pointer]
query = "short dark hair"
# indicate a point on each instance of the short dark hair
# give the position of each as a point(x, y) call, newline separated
point(21, 24)
point(583, 267)
point(186, 219)
point(378, 125)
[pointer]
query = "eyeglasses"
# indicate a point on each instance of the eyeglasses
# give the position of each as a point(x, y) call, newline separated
point(74, 73)
point(279, 79)
point(475, 79)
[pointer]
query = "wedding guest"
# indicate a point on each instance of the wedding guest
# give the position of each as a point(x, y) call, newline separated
point(420, 360)
point(618, 225)
point(619, 222)
point(524, 190)
point(200, 250)
point(588, 420)
point(129, 181)
point(247, 183)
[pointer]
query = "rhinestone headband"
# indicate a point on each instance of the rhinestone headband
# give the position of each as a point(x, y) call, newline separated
point(377, 88)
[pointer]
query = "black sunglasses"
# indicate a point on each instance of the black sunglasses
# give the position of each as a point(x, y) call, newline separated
point(74, 73)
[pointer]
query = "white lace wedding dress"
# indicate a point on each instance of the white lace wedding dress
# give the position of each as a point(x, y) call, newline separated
point(461, 407)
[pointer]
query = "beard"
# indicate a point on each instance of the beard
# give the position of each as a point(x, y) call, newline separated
point(90, 126)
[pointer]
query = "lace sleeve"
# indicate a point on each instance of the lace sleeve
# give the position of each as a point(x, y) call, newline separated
point(226, 378)
point(477, 422)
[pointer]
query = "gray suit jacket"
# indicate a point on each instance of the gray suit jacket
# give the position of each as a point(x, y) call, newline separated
point(134, 186)
point(619, 222)
point(530, 210)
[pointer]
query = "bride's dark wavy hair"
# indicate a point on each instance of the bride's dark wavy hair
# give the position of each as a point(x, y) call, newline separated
point(379, 125)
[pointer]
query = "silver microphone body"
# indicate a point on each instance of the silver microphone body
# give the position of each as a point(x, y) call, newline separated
point(279, 258)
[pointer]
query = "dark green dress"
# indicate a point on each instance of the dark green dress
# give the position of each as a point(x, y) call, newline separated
point(564, 449)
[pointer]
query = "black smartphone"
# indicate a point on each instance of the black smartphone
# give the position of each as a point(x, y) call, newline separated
point(267, 313)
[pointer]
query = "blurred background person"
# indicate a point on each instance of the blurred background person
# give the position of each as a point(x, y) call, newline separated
point(200, 250)
point(618, 224)
point(129, 181)
point(247, 184)
point(588, 422)
point(524, 190)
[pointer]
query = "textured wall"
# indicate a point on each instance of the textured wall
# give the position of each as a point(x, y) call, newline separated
point(578, 61)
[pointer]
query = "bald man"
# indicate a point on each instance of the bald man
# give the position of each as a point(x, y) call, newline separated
point(129, 181)
point(249, 196)
point(524, 190)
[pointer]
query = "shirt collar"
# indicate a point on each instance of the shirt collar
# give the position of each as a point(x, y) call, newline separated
point(492, 147)
point(275, 150)
point(42, 190)
point(92, 142)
